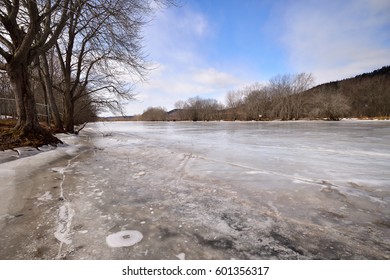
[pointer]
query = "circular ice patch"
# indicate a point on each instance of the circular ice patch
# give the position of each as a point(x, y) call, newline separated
point(124, 238)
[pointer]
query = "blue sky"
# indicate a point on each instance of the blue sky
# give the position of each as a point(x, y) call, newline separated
point(207, 48)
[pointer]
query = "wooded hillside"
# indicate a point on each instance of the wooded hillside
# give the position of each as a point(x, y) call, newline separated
point(366, 95)
point(291, 97)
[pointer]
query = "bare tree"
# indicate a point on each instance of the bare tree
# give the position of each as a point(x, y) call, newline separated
point(257, 102)
point(27, 30)
point(234, 102)
point(333, 106)
point(102, 41)
point(199, 109)
point(154, 114)
point(287, 101)
point(281, 88)
point(301, 83)
point(46, 78)
point(182, 112)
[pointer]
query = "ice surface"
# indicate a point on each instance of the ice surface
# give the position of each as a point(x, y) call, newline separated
point(124, 238)
point(20, 170)
point(62, 171)
point(283, 190)
point(46, 196)
point(300, 152)
point(8, 155)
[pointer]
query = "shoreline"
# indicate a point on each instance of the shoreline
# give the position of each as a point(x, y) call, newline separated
point(244, 121)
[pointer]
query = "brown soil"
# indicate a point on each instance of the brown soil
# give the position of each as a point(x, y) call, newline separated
point(10, 140)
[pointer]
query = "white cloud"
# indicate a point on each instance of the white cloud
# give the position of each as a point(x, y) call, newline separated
point(335, 39)
point(200, 25)
point(212, 77)
point(175, 41)
point(175, 33)
point(166, 86)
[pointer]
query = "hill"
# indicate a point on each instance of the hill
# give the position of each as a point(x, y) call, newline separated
point(289, 97)
point(365, 95)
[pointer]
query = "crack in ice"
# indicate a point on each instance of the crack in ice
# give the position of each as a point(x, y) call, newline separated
point(65, 212)
point(65, 216)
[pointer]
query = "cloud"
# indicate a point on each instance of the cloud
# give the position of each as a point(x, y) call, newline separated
point(175, 34)
point(166, 86)
point(176, 41)
point(200, 25)
point(337, 39)
point(214, 78)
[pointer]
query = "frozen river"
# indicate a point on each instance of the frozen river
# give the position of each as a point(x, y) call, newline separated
point(275, 154)
point(210, 190)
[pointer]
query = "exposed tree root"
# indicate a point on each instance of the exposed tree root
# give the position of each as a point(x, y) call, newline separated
point(11, 138)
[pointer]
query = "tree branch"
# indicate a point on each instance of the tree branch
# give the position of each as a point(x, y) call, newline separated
point(5, 54)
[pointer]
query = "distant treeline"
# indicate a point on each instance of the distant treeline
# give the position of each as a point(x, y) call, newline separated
point(289, 97)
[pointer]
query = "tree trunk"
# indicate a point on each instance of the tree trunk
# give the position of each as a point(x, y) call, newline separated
point(27, 128)
point(68, 112)
point(49, 92)
point(25, 104)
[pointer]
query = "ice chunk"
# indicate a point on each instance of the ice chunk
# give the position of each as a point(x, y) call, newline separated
point(139, 174)
point(181, 256)
point(124, 238)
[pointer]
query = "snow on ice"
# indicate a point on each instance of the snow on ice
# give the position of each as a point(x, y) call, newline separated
point(124, 238)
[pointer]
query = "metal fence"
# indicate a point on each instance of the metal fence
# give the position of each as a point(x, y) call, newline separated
point(8, 110)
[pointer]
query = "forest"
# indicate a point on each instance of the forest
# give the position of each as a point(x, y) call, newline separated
point(290, 97)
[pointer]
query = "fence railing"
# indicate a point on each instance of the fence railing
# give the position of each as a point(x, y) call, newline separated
point(8, 109)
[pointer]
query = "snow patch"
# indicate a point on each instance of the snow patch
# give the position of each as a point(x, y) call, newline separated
point(124, 238)
point(65, 216)
point(139, 174)
point(45, 197)
point(181, 256)
point(253, 172)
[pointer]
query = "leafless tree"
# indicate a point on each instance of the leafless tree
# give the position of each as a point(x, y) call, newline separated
point(332, 106)
point(286, 94)
point(301, 83)
point(101, 42)
point(257, 102)
point(154, 114)
point(181, 113)
point(93, 40)
point(234, 102)
point(27, 30)
point(47, 81)
point(199, 109)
